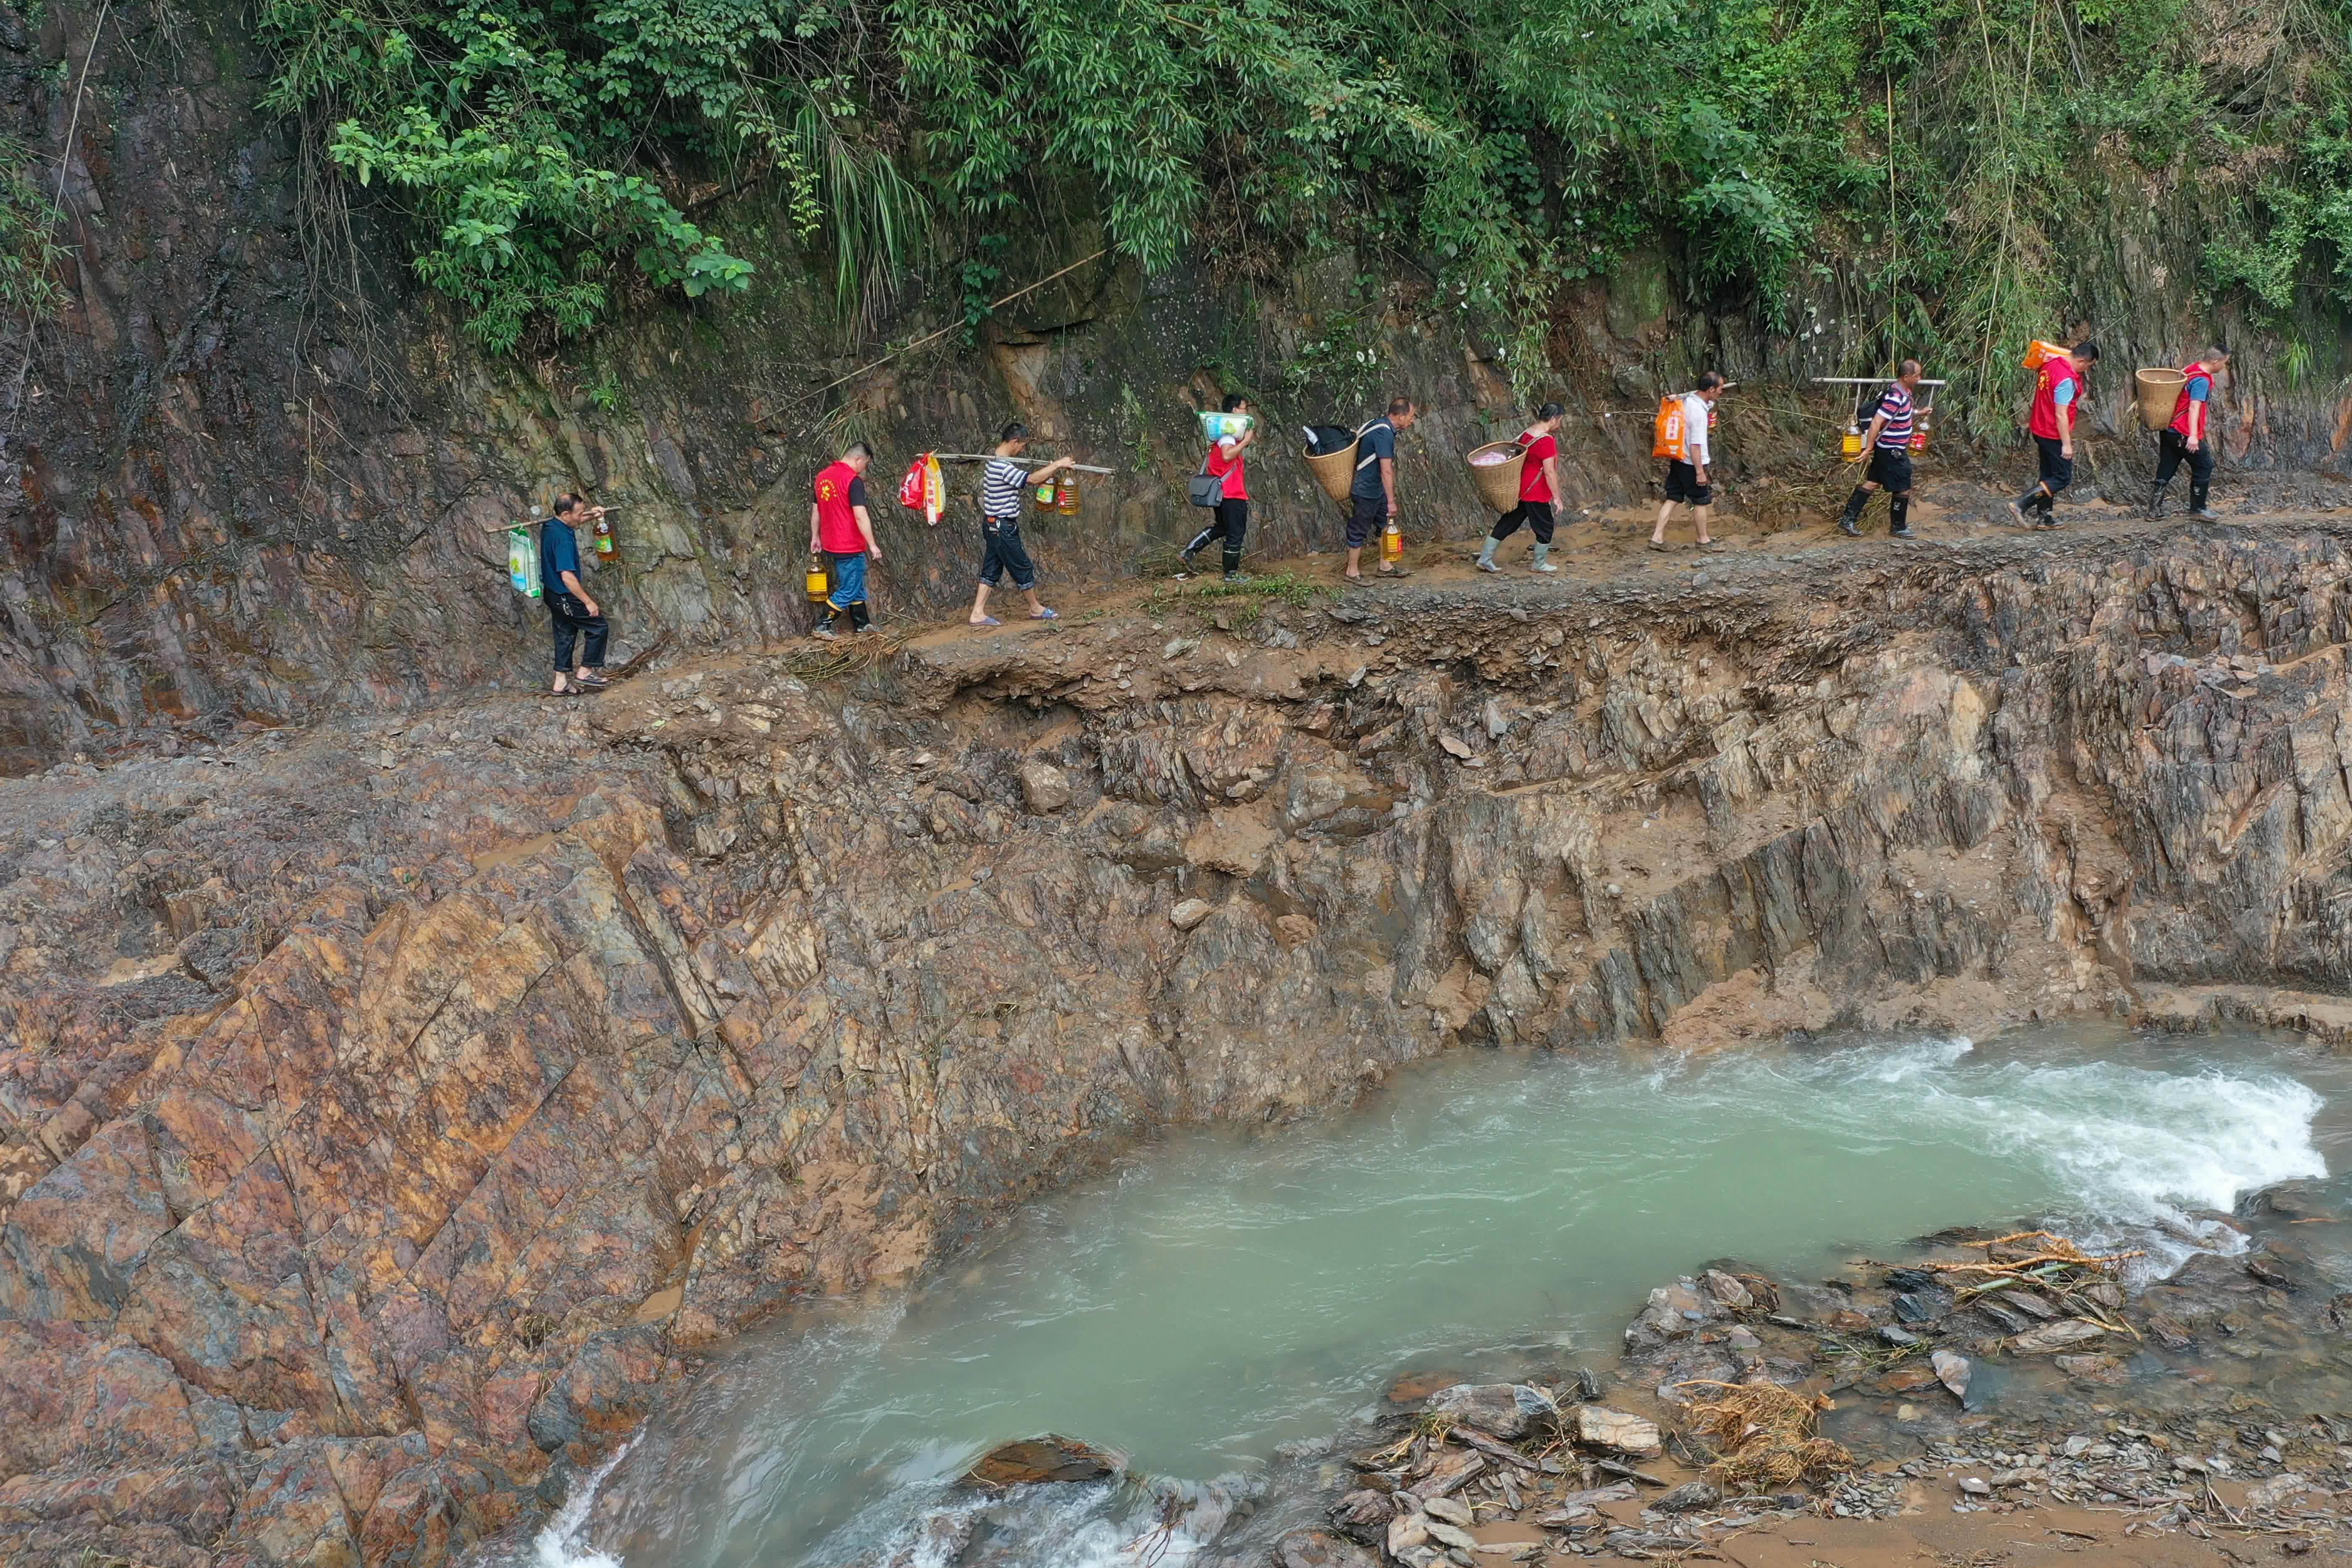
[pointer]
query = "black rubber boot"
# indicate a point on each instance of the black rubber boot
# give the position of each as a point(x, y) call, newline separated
point(1850, 519)
point(826, 628)
point(1898, 517)
point(2156, 499)
point(859, 621)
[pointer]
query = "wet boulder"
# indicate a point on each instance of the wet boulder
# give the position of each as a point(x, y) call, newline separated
point(1034, 1460)
point(1675, 1311)
point(1508, 1410)
point(1364, 1514)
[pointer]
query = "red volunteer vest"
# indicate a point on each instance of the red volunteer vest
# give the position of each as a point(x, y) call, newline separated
point(2053, 375)
point(2181, 404)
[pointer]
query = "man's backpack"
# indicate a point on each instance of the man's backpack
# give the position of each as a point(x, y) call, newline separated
point(1670, 437)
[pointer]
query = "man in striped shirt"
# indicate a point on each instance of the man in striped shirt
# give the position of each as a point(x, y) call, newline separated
point(1001, 487)
point(1889, 445)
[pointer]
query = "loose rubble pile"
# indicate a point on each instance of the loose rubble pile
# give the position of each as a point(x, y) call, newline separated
point(1735, 1368)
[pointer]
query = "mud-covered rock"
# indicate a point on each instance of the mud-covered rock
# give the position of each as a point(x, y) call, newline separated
point(1035, 1461)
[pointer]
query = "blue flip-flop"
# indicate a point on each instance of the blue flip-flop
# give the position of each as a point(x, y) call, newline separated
point(985, 621)
point(1046, 615)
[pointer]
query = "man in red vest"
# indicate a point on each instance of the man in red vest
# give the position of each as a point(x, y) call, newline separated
point(2189, 437)
point(2059, 405)
point(842, 530)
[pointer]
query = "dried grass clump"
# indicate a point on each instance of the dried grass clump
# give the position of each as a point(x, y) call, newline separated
point(1768, 1435)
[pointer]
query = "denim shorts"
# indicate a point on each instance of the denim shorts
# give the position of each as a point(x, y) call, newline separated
point(1002, 552)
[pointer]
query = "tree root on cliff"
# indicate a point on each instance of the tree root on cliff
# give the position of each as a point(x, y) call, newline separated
point(853, 656)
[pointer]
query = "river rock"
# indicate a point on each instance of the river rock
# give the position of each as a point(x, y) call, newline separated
point(1691, 1497)
point(2090, 1368)
point(2002, 1317)
point(1407, 1530)
point(1726, 1291)
point(1927, 1305)
point(1508, 1410)
point(1597, 1427)
point(1036, 1460)
point(2056, 1336)
point(1320, 1549)
point(1450, 1469)
point(1907, 1379)
point(1952, 1369)
point(1364, 1513)
point(1451, 1511)
point(1189, 913)
point(1674, 1311)
point(1452, 1535)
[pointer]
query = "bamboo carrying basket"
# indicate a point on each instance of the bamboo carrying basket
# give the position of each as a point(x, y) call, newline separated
point(1498, 483)
point(1335, 471)
point(2159, 390)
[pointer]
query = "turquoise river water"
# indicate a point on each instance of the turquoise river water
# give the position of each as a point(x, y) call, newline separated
point(1219, 1293)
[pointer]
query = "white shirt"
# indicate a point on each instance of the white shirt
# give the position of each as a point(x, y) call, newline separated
point(1695, 422)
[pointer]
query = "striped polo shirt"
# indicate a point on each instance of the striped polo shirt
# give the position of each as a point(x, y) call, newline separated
point(1896, 404)
point(999, 488)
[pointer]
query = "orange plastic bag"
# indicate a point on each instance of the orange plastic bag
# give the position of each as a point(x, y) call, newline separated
point(1670, 437)
point(2041, 351)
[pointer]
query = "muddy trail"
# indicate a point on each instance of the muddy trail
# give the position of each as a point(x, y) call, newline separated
point(389, 1110)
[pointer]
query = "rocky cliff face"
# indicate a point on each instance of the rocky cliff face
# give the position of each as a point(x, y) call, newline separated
point(249, 469)
point(386, 1113)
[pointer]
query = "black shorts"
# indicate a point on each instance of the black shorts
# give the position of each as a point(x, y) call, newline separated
point(1002, 551)
point(2057, 471)
point(1890, 468)
point(1682, 484)
point(1367, 515)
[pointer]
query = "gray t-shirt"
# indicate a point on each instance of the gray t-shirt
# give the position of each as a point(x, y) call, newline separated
point(1377, 441)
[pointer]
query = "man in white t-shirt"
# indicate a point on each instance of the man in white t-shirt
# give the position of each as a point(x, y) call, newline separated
point(1688, 481)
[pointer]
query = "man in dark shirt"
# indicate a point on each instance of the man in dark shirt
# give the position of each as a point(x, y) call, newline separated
point(569, 606)
point(1372, 498)
point(840, 527)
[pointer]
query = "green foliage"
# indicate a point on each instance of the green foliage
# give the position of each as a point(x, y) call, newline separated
point(30, 253)
point(1279, 587)
point(1948, 152)
point(2310, 209)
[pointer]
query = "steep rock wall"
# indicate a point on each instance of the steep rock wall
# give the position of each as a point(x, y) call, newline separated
point(386, 1114)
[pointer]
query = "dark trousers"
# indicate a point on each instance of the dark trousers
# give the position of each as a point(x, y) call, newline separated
point(2171, 451)
point(1002, 551)
point(569, 617)
point(1230, 521)
point(2057, 473)
point(1536, 514)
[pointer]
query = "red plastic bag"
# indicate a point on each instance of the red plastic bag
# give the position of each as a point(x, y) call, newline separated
point(923, 489)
